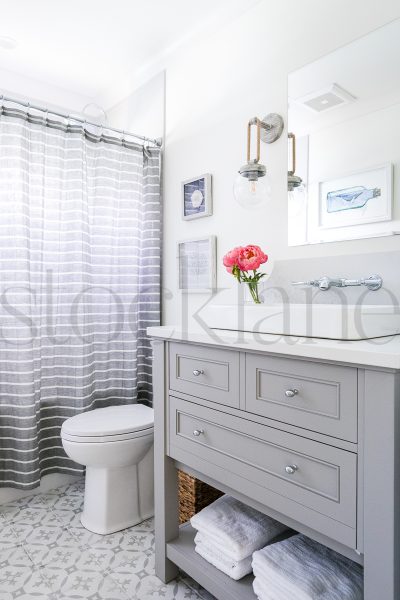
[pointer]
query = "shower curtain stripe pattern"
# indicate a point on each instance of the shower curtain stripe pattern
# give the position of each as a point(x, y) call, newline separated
point(80, 238)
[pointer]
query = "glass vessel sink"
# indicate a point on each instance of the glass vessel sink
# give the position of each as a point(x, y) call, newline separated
point(330, 321)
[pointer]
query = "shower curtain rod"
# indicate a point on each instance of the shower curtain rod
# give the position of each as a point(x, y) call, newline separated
point(156, 141)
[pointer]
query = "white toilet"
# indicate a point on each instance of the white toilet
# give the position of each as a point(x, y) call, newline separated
point(116, 446)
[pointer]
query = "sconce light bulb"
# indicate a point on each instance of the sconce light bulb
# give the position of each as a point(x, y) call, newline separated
point(252, 193)
point(297, 201)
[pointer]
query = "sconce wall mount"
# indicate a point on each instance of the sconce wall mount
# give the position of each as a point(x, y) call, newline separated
point(271, 128)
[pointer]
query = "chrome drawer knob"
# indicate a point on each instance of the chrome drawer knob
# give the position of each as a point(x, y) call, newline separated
point(291, 469)
point(198, 372)
point(197, 432)
point(291, 393)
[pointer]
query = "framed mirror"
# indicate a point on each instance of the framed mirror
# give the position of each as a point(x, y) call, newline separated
point(344, 142)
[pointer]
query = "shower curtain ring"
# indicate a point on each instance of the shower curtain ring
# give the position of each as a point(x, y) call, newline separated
point(146, 151)
point(85, 128)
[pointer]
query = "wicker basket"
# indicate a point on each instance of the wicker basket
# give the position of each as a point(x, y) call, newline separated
point(194, 495)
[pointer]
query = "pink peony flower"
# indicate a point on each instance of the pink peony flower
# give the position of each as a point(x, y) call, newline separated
point(240, 260)
point(250, 258)
point(231, 258)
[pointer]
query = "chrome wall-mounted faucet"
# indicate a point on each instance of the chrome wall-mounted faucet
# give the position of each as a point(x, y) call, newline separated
point(373, 283)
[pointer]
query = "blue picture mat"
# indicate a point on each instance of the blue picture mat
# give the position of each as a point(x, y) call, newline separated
point(189, 188)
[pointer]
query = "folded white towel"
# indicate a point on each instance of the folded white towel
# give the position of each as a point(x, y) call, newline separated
point(217, 548)
point(238, 528)
point(234, 569)
point(299, 568)
point(265, 591)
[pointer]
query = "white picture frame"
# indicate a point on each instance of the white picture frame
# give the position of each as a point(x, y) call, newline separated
point(197, 264)
point(197, 197)
point(378, 179)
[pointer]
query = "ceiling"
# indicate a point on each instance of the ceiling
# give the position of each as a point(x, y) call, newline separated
point(87, 46)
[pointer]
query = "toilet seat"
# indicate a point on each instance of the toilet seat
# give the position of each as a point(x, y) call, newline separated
point(110, 424)
point(102, 439)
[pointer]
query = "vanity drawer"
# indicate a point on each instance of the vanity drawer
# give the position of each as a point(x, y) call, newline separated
point(321, 398)
point(308, 481)
point(209, 373)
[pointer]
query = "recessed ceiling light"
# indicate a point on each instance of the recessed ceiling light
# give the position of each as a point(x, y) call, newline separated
point(7, 43)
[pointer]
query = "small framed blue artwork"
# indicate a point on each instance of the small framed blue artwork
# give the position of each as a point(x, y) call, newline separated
point(197, 197)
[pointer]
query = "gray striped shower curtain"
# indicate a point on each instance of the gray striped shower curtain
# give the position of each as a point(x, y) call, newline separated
point(79, 283)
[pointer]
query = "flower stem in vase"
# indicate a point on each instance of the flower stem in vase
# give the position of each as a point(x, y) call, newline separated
point(253, 287)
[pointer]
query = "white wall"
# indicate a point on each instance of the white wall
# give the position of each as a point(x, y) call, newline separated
point(142, 112)
point(212, 89)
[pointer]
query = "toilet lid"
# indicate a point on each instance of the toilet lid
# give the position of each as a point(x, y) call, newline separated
point(112, 420)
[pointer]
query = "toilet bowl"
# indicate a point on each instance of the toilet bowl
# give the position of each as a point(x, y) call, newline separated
point(116, 446)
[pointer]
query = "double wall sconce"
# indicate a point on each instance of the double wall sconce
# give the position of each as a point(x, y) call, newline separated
point(252, 186)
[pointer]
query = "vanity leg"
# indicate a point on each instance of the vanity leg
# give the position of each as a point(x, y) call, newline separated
point(381, 486)
point(166, 507)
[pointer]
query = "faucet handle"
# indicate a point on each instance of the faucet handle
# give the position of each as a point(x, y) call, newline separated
point(324, 283)
point(373, 283)
point(303, 283)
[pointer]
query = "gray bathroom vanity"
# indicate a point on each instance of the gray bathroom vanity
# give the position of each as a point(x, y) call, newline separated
point(304, 430)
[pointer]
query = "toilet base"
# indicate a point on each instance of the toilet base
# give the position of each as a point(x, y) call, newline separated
point(111, 499)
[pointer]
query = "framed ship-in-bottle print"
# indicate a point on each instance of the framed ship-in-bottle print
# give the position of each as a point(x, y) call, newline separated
point(357, 198)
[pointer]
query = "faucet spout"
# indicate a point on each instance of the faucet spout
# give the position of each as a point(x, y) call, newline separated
point(325, 283)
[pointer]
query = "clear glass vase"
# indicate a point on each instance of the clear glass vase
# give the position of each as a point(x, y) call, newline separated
point(253, 289)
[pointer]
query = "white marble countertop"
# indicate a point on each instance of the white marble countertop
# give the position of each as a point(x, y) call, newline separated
point(379, 352)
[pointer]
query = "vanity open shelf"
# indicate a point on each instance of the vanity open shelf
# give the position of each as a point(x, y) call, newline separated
point(239, 411)
point(182, 553)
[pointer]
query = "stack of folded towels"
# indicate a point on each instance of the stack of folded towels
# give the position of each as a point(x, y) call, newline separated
point(228, 532)
point(300, 569)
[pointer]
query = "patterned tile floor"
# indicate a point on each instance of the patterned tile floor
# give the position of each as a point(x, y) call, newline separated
point(46, 554)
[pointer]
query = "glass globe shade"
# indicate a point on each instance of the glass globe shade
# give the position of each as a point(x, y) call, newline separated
point(296, 201)
point(252, 194)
